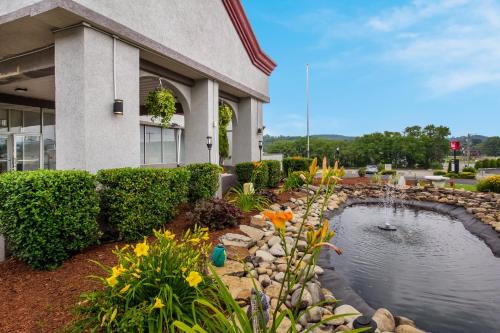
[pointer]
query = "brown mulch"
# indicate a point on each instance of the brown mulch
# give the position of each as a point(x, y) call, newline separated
point(355, 180)
point(43, 301)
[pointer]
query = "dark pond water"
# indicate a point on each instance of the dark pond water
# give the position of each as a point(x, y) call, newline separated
point(431, 269)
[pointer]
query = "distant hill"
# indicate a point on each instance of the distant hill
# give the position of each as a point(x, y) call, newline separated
point(475, 138)
point(333, 137)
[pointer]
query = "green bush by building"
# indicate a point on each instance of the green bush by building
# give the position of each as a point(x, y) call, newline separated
point(292, 164)
point(204, 181)
point(134, 201)
point(48, 215)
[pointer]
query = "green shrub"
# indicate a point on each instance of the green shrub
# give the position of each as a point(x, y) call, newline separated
point(362, 172)
point(274, 172)
point(152, 285)
point(467, 175)
point(451, 175)
point(439, 173)
point(388, 172)
point(136, 200)
point(244, 171)
point(436, 165)
point(478, 165)
point(48, 215)
point(490, 184)
point(292, 164)
point(215, 214)
point(204, 181)
point(487, 163)
point(469, 169)
point(449, 166)
point(293, 181)
point(253, 172)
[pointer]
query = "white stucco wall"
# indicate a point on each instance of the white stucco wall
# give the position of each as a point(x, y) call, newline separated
point(89, 136)
point(9, 6)
point(245, 137)
point(200, 30)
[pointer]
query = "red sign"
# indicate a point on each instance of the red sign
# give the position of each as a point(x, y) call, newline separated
point(455, 145)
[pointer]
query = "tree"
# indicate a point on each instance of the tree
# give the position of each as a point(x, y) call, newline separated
point(491, 146)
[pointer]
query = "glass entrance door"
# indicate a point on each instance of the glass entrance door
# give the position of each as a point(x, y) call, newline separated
point(5, 161)
point(27, 152)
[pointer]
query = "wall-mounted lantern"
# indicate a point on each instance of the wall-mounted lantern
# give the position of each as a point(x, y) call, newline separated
point(118, 107)
point(209, 146)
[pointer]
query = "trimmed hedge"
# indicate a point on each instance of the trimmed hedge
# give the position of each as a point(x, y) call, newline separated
point(136, 200)
point(291, 164)
point(204, 181)
point(274, 172)
point(388, 172)
point(255, 172)
point(490, 184)
point(439, 173)
point(48, 215)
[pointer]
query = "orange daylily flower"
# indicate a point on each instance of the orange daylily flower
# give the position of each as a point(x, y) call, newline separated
point(278, 218)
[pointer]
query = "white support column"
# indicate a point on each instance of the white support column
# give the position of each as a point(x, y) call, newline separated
point(202, 121)
point(245, 136)
point(89, 136)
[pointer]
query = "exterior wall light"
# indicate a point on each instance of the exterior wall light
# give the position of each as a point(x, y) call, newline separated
point(118, 107)
point(209, 146)
point(261, 144)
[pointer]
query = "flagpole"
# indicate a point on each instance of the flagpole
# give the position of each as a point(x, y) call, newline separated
point(307, 107)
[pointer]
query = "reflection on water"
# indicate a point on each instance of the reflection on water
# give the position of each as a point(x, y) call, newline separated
point(431, 269)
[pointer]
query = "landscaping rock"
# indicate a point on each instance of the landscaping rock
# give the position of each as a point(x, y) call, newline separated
point(235, 284)
point(384, 319)
point(254, 233)
point(400, 320)
point(231, 267)
point(237, 240)
point(347, 309)
point(264, 256)
point(258, 221)
point(277, 250)
point(301, 302)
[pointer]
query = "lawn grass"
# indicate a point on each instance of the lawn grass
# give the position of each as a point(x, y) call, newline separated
point(467, 187)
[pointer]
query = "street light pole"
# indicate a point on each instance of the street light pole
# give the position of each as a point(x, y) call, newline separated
point(307, 107)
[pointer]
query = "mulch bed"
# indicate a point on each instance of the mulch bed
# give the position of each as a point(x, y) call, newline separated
point(43, 301)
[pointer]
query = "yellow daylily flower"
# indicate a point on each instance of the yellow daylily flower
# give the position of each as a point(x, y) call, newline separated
point(136, 275)
point(158, 269)
point(117, 270)
point(194, 279)
point(112, 281)
point(158, 304)
point(168, 235)
point(125, 289)
point(194, 240)
point(324, 168)
point(141, 249)
point(183, 269)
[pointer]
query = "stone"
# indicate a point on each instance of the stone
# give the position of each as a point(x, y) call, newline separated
point(264, 256)
point(384, 319)
point(316, 294)
point(407, 329)
point(273, 290)
point(254, 233)
point(342, 328)
point(235, 284)
point(314, 314)
point(345, 309)
point(279, 276)
point(303, 301)
point(231, 239)
point(237, 253)
point(231, 267)
point(284, 326)
point(400, 320)
point(264, 280)
point(318, 270)
point(301, 245)
point(277, 250)
point(258, 221)
point(274, 240)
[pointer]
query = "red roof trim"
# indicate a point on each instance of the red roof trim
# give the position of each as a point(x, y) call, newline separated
point(240, 21)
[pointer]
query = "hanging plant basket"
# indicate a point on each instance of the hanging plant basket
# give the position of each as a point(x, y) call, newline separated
point(160, 104)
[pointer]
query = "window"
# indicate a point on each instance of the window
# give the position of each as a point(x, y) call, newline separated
point(158, 145)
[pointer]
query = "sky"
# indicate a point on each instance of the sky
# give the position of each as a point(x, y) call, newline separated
point(381, 65)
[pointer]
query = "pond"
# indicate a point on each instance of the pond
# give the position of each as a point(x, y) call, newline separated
point(431, 269)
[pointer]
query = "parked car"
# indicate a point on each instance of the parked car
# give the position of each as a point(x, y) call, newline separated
point(371, 169)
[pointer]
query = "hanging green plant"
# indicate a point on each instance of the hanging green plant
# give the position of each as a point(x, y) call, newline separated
point(225, 116)
point(160, 104)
